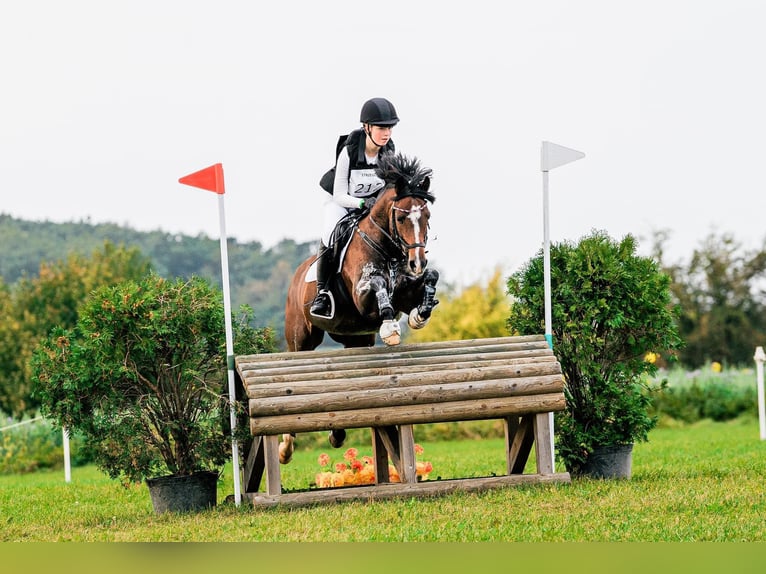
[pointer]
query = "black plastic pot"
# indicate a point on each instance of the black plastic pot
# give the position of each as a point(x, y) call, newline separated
point(192, 493)
point(614, 461)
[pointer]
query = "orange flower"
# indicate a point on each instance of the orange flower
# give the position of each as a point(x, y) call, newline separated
point(348, 476)
point(350, 454)
point(340, 466)
point(324, 479)
point(368, 460)
point(422, 469)
point(357, 465)
point(418, 449)
point(366, 475)
point(324, 459)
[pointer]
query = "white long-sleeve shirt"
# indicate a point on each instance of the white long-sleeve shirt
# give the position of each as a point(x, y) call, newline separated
point(352, 185)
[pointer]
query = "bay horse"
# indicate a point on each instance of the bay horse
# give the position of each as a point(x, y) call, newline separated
point(383, 275)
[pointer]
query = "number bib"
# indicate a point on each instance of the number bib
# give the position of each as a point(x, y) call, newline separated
point(364, 182)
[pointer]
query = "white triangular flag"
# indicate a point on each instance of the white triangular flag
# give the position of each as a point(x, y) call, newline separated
point(554, 155)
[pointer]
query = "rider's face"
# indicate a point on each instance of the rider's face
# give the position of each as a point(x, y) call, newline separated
point(380, 134)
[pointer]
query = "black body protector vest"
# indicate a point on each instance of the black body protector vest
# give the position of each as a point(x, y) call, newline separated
point(363, 181)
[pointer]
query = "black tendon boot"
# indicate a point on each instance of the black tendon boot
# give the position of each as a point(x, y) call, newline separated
point(323, 304)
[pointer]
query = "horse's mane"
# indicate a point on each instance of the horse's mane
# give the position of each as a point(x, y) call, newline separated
point(393, 167)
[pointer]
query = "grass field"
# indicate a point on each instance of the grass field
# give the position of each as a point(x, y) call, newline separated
point(701, 482)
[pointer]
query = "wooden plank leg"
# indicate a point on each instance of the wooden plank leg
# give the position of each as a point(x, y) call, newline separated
point(520, 437)
point(511, 427)
point(398, 444)
point(543, 444)
point(380, 455)
point(271, 455)
point(408, 469)
point(254, 466)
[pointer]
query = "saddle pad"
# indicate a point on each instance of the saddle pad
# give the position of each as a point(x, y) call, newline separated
point(311, 274)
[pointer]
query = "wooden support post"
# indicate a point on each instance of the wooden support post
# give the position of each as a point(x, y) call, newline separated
point(543, 444)
point(271, 454)
point(254, 466)
point(519, 438)
point(407, 469)
point(380, 453)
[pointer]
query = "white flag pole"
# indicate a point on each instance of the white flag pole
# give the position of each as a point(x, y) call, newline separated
point(551, 156)
point(211, 179)
point(760, 358)
point(229, 349)
point(67, 462)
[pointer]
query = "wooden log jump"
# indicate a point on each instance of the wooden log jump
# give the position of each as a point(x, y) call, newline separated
point(389, 389)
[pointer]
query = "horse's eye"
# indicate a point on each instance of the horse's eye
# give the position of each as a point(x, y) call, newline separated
point(401, 219)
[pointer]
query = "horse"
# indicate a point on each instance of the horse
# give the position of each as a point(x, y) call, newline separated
point(383, 275)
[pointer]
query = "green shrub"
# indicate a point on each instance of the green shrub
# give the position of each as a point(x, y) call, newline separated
point(609, 308)
point(35, 446)
point(706, 400)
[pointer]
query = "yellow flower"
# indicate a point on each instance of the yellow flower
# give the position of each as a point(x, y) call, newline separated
point(651, 357)
point(716, 367)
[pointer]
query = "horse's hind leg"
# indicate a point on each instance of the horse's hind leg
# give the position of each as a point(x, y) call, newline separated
point(286, 448)
point(420, 315)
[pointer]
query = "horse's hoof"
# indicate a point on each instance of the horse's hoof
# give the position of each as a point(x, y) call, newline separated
point(337, 438)
point(391, 332)
point(286, 448)
point(415, 321)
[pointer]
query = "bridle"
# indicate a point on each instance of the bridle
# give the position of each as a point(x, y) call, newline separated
point(395, 229)
point(398, 247)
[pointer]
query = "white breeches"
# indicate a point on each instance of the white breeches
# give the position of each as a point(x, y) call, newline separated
point(331, 214)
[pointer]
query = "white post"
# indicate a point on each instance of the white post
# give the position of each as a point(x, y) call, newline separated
point(547, 292)
point(547, 261)
point(551, 156)
point(229, 349)
point(67, 464)
point(760, 358)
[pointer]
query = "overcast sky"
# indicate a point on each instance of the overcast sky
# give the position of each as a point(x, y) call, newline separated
point(105, 104)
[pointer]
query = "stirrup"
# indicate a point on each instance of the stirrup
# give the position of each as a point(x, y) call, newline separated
point(331, 299)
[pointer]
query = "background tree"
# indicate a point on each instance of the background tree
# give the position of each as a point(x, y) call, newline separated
point(721, 295)
point(35, 305)
point(475, 312)
point(258, 276)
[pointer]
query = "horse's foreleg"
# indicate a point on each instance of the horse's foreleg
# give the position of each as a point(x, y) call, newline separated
point(420, 315)
point(390, 331)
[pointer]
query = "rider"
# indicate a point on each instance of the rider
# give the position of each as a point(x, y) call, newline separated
point(355, 186)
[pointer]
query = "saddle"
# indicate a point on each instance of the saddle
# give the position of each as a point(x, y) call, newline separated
point(339, 240)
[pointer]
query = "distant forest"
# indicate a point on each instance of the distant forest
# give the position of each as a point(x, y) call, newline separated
point(258, 277)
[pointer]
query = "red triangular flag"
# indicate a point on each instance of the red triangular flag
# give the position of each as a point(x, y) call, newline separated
point(210, 178)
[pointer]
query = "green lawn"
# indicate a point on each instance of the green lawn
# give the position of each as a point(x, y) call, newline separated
point(702, 482)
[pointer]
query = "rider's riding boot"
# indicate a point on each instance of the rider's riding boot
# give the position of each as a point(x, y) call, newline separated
point(323, 305)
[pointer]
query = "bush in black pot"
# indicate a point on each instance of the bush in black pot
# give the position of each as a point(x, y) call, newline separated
point(143, 377)
point(609, 308)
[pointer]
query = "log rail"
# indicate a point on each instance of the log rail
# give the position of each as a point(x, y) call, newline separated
point(389, 389)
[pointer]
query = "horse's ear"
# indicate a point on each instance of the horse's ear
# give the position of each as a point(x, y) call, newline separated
point(426, 183)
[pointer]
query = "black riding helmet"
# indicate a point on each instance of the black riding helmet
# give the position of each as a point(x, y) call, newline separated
point(379, 112)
